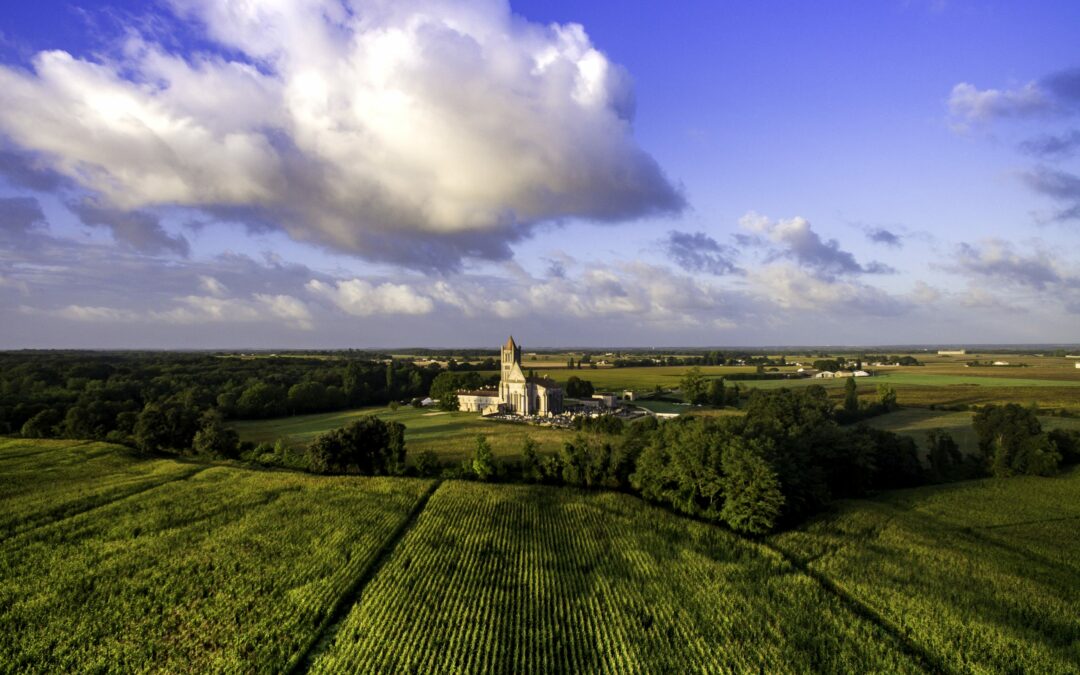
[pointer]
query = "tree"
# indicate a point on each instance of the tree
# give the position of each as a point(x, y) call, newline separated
point(717, 395)
point(946, 462)
point(427, 463)
point(483, 462)
point(886, 396)
point(152, 432)
point(579, 388)
point(41, 425)
point(531, 468)
point(214, 438)
point(752, 496)
point(694, 386)
point(1013, 443)
point(851, 396)
point(368, 445)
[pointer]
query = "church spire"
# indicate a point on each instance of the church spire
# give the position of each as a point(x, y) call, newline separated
point(510, 343)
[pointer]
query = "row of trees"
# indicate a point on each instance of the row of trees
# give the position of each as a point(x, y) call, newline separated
point(788, 457)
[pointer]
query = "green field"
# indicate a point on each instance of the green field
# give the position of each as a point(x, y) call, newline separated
point(452, 435)
point(982, 576)
point(216, 568)
point(217, 571)
point(919, 422)
point(514, 578)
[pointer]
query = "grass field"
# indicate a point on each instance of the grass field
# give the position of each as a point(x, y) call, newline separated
point(919, 422)
point(451, 435)
point(982, 576)
point(224, 570)
point(509, 578)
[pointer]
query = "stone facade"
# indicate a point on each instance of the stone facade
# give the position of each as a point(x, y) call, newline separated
point(517, 394)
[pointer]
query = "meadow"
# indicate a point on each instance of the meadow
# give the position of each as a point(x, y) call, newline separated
point(451, 435)
point(220, 568)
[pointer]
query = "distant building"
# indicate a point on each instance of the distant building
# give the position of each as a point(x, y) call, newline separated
point(952, 352)
point(1077, 365)
point(825, 375)
point(628, 394)
point(860, 373)
point(1001, 363)
point(606, 400)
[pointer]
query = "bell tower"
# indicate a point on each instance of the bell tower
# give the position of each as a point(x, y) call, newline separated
point(511, 354)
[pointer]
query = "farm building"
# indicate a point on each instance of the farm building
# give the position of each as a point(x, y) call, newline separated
point(606, 400)
point(952, 352)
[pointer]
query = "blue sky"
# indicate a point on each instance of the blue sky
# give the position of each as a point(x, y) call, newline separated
point(332, 174)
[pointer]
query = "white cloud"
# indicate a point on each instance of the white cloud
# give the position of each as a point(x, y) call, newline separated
point(212, 285)
point(789, 288)
point(970, 104)
point(796, 239)
point(363, 298)
point(287, 307)
point(87, 313)
point(418, 131)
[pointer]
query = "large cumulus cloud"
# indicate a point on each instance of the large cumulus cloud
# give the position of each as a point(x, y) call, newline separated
point(414, 131)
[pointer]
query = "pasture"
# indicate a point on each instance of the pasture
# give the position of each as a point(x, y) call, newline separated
point(451, 435)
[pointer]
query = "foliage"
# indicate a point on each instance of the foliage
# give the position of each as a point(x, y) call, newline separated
point(752, 495)
point(368, 446)
point(694, 386)
point(215, 439)
point(1013, 443)
point(851, 396)
point(483, 462)
point(578, 388)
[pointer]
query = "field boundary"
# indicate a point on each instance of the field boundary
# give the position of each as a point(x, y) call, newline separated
point(928, 662)
point(302, 660)
point(108, 502)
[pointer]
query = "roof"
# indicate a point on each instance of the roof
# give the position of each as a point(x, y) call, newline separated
point(479, 392)
point(510, 343)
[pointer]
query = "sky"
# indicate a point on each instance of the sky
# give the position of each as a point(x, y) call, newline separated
point(267, 174)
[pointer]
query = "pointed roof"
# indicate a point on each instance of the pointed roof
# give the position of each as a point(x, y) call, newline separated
point(510, 343)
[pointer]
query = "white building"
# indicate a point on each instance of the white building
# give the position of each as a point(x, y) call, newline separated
point(517, 394)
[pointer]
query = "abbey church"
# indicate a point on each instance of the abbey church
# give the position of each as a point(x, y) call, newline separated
point(517, 394)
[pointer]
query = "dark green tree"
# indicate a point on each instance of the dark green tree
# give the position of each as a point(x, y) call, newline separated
point(694, 386)
point(752, 496)
point(851, 396)
point(483, 462)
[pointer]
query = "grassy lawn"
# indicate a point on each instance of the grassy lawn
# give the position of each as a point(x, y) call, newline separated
point(452, 435)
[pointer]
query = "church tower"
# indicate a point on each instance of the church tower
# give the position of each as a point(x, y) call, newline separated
point(511, 354)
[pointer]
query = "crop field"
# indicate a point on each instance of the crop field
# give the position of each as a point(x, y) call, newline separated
point(451, 435)
point(982, 576)
point(511, 578)
point(42, 480)
point(223, 570)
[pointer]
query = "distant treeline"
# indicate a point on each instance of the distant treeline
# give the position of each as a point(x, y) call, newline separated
point(158, 401)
